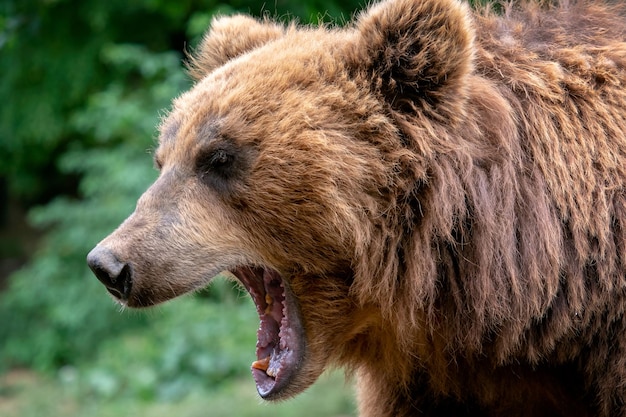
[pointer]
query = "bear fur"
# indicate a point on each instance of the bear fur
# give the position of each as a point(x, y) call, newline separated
point(437, 194)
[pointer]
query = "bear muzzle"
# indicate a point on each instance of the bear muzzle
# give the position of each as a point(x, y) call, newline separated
point(114, 274)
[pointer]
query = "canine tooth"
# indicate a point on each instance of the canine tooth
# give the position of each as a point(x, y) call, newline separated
point(262, 364)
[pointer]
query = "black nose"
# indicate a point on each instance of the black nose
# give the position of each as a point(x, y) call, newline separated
point(115, 275)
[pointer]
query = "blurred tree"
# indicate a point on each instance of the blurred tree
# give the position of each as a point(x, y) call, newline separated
point(51, 60)
point(58, 314)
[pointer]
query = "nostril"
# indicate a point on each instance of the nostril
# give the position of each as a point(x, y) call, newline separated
point(126, 281)
point(114, 274)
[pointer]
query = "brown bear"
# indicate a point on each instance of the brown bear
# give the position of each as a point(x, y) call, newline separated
point(431, 197)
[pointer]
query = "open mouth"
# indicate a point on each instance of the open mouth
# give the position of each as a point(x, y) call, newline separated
point(280, 343)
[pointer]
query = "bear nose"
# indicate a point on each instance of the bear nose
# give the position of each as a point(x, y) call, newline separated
point(115, 275)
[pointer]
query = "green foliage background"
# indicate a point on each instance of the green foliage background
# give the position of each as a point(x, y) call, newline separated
point(83, 84)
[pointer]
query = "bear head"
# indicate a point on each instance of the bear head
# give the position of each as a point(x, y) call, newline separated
point(287, 164)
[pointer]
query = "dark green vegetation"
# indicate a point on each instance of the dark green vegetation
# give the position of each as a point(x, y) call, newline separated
point(82, 88)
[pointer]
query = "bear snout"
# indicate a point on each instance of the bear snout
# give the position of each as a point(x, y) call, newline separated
point(114, 274)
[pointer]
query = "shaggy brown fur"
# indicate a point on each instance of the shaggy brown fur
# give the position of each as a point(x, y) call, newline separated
point(441, 190)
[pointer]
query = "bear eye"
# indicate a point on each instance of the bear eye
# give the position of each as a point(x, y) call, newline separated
point(215, 164)
point(219, 158)
point(222, 164)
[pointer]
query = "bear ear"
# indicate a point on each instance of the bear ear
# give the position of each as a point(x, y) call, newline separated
point(228, 38)
point(417, 53)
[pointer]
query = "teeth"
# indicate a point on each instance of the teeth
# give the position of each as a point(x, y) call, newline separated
point(273, 367)
point(269, 301)
point(265, 365)
point(262, 364)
